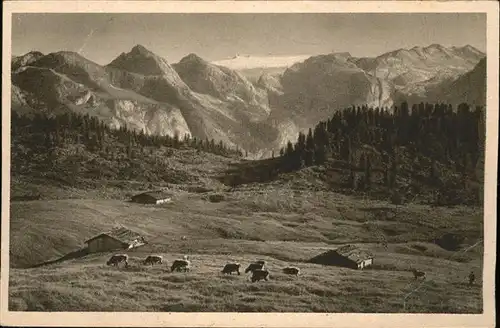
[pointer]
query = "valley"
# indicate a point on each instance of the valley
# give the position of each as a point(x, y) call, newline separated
point(286, 221)
point(264, 161)
point(277, 224)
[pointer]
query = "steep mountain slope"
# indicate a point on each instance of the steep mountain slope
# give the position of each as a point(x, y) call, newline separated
point(216, 103)
point(254, 74)
point(253, 67)
point(19, 101)
point(64, 81)
point(407, 68)
point(271, 83)
point(162, 83)
point(144, 62)
point(224, 84)
point(26, 59)
point(312, 89)
point(469, 88)
point(141, 90)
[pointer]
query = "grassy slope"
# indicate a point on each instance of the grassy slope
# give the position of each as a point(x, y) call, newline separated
point(75, 173)
point(283, 225)
point(88, 285)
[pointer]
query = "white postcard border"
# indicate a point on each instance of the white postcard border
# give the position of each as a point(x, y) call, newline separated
point(128, 319)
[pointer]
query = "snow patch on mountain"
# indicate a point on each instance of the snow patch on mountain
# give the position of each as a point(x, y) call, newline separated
point(241, 62)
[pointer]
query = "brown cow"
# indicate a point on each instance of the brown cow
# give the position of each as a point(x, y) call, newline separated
point(180, 265)
point(258, 265)
point(259, 275)
point(291, 270)
point(117, 259)
point(231, 267)
point(153, 259)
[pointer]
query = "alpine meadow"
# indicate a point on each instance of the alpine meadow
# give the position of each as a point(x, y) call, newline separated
point(179, 166)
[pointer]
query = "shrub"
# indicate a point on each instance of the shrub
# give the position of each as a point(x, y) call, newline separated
point(450, 241)
point(216, 198)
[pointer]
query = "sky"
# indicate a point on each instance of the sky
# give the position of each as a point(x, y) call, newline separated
point(102, 37)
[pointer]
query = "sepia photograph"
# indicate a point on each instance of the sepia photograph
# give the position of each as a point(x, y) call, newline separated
point(169, 160)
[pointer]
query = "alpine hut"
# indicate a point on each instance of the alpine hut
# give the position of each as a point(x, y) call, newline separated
point(119, 238)
point(152, 197)
point(349, 256)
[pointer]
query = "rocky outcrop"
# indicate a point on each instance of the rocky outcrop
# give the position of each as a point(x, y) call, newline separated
point(25, 60)
point(141, 90)
point(47, 90)
point(469, 87)
point(322, 84)
point(224, 84)
point(407, 69)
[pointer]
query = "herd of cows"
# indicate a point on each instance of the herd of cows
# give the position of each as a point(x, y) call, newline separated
point(258, 270)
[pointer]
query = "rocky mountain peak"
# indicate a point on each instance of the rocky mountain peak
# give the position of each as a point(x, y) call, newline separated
point(140, 49)
point(192, 57)
point(25, 59)
point(435, 46)
point(140, 60)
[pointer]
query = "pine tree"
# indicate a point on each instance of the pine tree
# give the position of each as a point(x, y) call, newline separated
point(176, 141)
point(368, 172)
point(289, 149)
point(300, 151)
point(320, 155)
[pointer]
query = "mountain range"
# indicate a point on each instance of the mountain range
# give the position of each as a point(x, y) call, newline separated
point(254, 103)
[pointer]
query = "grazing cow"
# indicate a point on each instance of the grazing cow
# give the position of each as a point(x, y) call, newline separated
point(230, 268)
point(117, 259)
point(418, 274)
point(291, 270)
point(153, 259)
point(259, 274)
point(472, 278)
point(259, 265)
point(180, 265)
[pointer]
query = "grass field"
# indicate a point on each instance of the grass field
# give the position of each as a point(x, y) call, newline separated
point(89, 285)
point(280, 224)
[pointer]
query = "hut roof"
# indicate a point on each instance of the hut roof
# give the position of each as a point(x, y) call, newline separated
point(350, 252)
point(122, 234)
point(156, 194)
point(353, 253)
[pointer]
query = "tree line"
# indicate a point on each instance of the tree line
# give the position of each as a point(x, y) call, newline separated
point(49, 132)
point(371, 139)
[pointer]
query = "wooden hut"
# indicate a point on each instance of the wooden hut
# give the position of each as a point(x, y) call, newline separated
point(349, 256)
point(120, 238)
